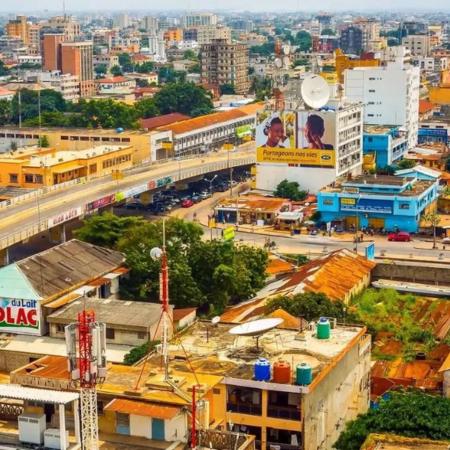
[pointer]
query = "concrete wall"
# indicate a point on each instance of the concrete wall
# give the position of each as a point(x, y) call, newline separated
point(10, 361)
point(140, 426)
point(338, 398)
point(176, 429)
point(413, 273)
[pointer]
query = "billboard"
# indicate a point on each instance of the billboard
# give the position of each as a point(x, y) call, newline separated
point(65, 216)
point(296, 138)
point(366, 205)
point(100, 203)
point(19, 316)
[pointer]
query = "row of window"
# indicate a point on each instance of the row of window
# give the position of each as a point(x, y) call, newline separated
point(29, 178)
point(115, 161)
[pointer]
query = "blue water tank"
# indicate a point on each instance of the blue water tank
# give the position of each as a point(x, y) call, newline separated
point(303, 374)
point(262, 370)
point(119, 130)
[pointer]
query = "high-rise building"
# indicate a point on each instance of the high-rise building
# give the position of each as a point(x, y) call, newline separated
point(242, 26)
point(77, 59)
point(199, 19)
point(149, 23)
point(123, 21)
point(390, 93)
point(225, 63)
point(352, 40)
point(34, 39)
point(51, 51)
point(207, 34)
point(18, 27)
point(65, 25)
point(418, 45)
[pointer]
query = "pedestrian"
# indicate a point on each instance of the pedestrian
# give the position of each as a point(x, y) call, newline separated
point(236, 226)
point(195, 217)
point(362, 237)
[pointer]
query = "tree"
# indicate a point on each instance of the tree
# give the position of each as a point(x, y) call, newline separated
point(290, 190)
point(6, 112)
point(183, 98)
point(147, 108)
point(412, 414)
point(328, 32)
point(393, 42)
point(137, 353)
point(406, 164)
point(447, 164)
point(203, 111)
point(101, 70)
point(43, 142)
point(145, 67)
point(124, 58)
point(3, 69)
point(190, 54)
point(227, 89)
point(433, 218)
point(116, 71)
point(309, 305)
point(264, 49)
point(106, 229)
point(303, 40)
point(445, 191)
point(301, 62)
point(143, 83)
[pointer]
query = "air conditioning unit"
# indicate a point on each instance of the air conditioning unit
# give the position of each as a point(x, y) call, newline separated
point(31, 428)
point(52, 438)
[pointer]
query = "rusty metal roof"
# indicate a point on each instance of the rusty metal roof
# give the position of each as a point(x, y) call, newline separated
point(153, 410)
point(179, 314)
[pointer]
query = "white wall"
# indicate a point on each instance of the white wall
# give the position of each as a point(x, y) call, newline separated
point(140, 426)
point(176, 429)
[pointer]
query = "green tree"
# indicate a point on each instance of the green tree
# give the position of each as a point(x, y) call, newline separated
point(290, 190)
point(190, 54)
point(43, 142)
point(301, 62)
point(3, 69)
point(183, 98)
point(145, 67)
point(433, 219)
point(447, 164)
point(309, 305)
point(262, 88)
point(116, 71)
point(137, 353)
point(101, 70)
point(124, 58)
point(406, 164)
point(264, 49)
point(227, 89)
point(6, 112)
point(147, 108)
point(303, 40)
point(203, 111)
point(393, 42)
point(328, 32)
point(142, 83)
point(411, 414)
point(106, 229)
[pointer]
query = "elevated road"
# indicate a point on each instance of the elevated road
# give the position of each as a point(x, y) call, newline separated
point(20, 221)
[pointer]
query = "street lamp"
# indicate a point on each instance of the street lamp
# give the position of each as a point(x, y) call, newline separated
point(211, 198)
point(357, 224)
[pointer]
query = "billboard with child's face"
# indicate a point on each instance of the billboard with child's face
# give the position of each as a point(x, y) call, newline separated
point(296, 138)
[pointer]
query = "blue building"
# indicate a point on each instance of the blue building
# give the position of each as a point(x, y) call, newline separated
point(389, 143)
point(429, 135)
point(388, 202)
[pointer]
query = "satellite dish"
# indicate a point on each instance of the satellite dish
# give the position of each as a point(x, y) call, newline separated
point(256, 327)
point(156, 253)
point(278, 63)
point(286, 49)
point(286, 62)
point(215, 320)
point(315, 91)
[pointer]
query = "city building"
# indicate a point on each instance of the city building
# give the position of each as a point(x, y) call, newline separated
point(5, 94)
point(200, 19)
point(344, 62)
point(19, 28)
point(114, 85)
point(67, 85)
point(34, 39)
point(352, 40)
point(241, 26)
point(149, 23)
point(123, 21)
point(440, 94)
point(77, 59)
point(65, 25)
point(390, 95)
point(208, 34)
point(388, 144)
point(106, 60)
point(389, 202)
point(51, 51)
point(418, 45)
point(173, 35)
point(225, 63)
point(432, 63)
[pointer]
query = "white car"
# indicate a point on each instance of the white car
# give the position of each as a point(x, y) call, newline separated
point(205, 194)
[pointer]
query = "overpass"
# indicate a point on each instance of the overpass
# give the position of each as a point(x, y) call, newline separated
point(24, 217)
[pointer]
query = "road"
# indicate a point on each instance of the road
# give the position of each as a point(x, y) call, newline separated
point(17, 218)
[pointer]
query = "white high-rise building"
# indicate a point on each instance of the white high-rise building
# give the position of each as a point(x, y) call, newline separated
point(150, 23)
point(156, 46)
point(200, 19)
point(390, 94)
point(123, 21)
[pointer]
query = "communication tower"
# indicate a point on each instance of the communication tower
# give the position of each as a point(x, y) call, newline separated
point(87, 368)
point(280, 77)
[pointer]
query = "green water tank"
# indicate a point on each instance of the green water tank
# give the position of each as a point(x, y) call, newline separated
point(323, 328)
point(303, 374)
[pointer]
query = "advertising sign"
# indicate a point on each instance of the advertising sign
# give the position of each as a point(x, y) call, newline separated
point(100, 203)
point(163, 181)
point(65, 216)
point(135, 191)
point(19, 316)
point(244, 130)
point(367, 205)
point(300, 138)
point(228, 233)
point(370, 252)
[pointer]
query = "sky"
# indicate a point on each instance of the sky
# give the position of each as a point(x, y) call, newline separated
point(207, 5)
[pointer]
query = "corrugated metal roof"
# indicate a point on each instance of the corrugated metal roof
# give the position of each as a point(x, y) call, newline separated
point(179, 314)
point(14, 284)
point(39, 395)
point(153, 410)
point(161, 121)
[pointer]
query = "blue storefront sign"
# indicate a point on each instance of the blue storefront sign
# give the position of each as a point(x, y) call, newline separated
point(370, 252)
point(440, 135)
point(366, 205)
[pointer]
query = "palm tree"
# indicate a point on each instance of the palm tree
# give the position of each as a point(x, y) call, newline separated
point(433, 218)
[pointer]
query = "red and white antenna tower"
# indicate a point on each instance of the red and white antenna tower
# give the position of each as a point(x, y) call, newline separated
point(87, 368)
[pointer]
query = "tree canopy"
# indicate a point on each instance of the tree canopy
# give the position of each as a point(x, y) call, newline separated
point(203, 274)
point(327, 32)
point(227, 89)
point(290, 190)
point(411, 414)
point(406, 164)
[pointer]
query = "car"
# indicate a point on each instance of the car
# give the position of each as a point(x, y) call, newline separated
point(221, 188)
point(173, 199)
point(133, 205)
point(401, 236)
point(446, 240)
point(232, 183)
point(205, 194)
point(196, 198)
point(187, 203)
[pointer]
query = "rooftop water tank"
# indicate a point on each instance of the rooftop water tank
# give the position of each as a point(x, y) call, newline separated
point(323, 328)
point(281, 372)
point(262, 370)
point(304, 374)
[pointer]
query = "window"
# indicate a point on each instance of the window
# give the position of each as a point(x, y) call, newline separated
point(370, 139)
point(38, 178)
point(142, 335)
point(60, 328)
point(13, 178)
point(371, 90)
point(404, 205)
point(110, 334)
point(328, 201)
point(29, 178)
point(370, 115)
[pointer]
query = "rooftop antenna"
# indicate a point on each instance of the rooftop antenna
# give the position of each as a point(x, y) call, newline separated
point(315, 91)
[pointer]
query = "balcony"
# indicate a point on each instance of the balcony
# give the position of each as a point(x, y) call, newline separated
point(279, 412)
point(245, 408)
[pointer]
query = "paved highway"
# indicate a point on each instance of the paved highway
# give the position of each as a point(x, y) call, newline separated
point(16, 218)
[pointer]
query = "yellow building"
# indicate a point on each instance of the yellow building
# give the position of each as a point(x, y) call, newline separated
point(174, 34)
point(441, 94)
point(34, 168)
point(18, 27)
point(344, 62)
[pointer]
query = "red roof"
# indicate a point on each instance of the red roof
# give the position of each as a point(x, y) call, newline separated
point(112, 80)
point(140, 58)
point(179, 314)
point(160, 121)
point(153, 410)
point(425, 106)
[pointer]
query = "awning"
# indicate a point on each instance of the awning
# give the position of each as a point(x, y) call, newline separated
point(38, 395)
point(153, 410)
point(290, 216)
point(69, 169)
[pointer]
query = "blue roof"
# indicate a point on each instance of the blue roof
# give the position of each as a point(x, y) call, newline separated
point(14, 284)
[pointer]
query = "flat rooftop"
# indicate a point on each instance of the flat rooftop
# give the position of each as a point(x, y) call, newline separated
point(379, 129)
point(392, 442)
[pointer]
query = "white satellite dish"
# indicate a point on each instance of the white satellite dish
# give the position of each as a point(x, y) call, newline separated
point(278, 63)
point(315, 91)
point(215, 320)
point(286, 62)
point(286, 49)
point(256, 327)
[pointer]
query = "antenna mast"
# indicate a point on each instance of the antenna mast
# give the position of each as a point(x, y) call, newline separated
point(164, 296)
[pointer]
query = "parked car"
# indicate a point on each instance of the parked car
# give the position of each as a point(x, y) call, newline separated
point(154, 208)
point(187, 203)
point(133, 205)
point(446, 240)
point(196, 198)
point(205, 194)
point(221, 187)
point(232, 183)
point(401, 236)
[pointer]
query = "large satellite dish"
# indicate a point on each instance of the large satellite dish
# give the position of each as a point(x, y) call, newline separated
point(315, 91)
point(278, 63)
point(286, 49)
point(256, 328)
